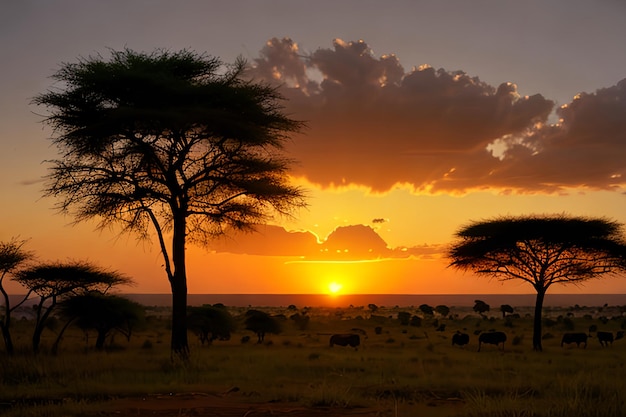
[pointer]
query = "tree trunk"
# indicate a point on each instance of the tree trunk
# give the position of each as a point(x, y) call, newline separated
point(40, 323)
point(55, 346)
point(178, 283)
point(102, 335)
point(5, 324)
point(541, 292)
point(6, 335)
point(37, 337)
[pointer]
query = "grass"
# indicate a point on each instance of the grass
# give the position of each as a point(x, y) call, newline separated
point(399, 371)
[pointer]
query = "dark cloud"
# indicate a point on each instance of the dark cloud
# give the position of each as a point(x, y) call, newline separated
point(373, 123)
point(346, 243)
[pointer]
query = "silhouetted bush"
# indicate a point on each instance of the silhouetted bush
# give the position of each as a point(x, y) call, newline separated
point(404, 317)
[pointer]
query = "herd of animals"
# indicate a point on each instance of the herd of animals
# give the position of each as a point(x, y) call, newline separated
point(491, 338)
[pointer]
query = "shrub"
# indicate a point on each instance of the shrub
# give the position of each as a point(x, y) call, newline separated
point(404, 317)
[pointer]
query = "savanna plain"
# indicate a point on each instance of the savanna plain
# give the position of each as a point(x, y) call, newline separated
point(401, 368)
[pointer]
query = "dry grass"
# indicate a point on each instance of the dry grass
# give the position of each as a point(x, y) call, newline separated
point(399, 371)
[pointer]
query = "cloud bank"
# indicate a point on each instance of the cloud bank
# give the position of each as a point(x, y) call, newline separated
point(345, 243)
point(373, 123)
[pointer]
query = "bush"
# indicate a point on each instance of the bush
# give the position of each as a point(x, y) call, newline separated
point(404, 317)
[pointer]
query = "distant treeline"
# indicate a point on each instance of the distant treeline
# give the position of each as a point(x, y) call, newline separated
point(388, 300)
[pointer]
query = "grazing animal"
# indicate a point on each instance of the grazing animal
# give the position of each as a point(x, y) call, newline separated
point(492, 338)
point(348, 339)
point(460, 339)
point(577, 338)
point(605, 338)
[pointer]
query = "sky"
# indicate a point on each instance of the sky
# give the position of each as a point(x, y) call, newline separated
point(422, 116)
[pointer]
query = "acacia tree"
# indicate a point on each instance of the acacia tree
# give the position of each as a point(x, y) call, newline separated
point(261, 323)
point(54, 282)
point(173, 142)
point(211, 323)
point(506, 308)
point(540, 250)
point(102, 313)
point(12, 257)
point(481, 307)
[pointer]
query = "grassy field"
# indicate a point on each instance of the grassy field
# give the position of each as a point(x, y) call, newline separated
point(402, 371)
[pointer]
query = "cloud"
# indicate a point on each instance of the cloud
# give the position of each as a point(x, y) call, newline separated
point(375, 124)
point(345, 243)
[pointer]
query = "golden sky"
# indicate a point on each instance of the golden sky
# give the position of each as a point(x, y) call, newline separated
point(419, 121)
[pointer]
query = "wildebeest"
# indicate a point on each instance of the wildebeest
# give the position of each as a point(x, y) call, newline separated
point(348, 339)
point(577, 338)
point(493, 338)
point(460, 339)
point(606, 338)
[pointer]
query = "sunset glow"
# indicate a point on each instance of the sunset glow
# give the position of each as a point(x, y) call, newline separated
point(405, 141)
point(334, 287)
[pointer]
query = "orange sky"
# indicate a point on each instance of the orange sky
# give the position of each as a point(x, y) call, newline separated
point(398, 154)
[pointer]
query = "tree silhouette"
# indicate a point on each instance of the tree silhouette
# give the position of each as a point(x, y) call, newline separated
point(102, 313)
point(427, 310)
point(55, 282)
point(505, 308)
point(442, 310)
point(12, 257)
point(261, 323)
point(211, 323)
point(170, 142)
point(481, 307)
point(404, 317)
point(540, 250)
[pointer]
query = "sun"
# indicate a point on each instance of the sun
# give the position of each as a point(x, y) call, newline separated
point(334, 287)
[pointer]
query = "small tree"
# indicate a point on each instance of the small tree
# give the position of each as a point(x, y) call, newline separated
point(174, 143)
point(442, 310)
point(12, 257)
point(506, 309)
point(481, 307)
point(540, 250)
point(261, 323)
point(54, 282)
point(211, 323)
point(426, 310)
point(102, 313)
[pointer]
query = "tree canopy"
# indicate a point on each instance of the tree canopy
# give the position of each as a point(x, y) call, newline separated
point(540, 250)
point(261, 323)
point(102, 313)
point(53, 282)
point(172, 143)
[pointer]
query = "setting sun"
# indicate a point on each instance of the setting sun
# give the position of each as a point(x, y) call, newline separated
point(334, 287)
